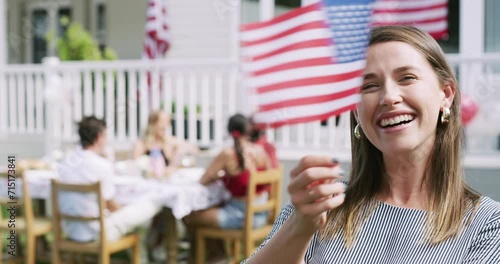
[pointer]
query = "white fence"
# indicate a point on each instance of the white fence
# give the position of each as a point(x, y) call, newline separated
point(204, 94)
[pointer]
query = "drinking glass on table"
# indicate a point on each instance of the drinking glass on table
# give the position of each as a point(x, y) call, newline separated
point(158, 164)
point(188, 160)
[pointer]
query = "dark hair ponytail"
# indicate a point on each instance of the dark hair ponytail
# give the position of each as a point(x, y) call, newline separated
point(239, 153)
point(238, 126)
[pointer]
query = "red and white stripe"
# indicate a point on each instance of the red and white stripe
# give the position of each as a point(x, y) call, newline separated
point(156, 42)
point(289, 66)
point(428, 15)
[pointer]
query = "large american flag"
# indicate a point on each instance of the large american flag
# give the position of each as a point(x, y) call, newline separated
point(306, 65)
point(157, 40)
point(428, 15)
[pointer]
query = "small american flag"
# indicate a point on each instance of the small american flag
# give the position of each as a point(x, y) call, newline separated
point(306, 65)
point(156, 42)
point(427, 15)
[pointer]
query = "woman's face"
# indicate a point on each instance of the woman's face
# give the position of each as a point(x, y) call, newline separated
point(162, 125)
point(400, 99)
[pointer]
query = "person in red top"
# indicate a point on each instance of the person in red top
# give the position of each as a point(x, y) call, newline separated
point(233, 165)
point(258, 136)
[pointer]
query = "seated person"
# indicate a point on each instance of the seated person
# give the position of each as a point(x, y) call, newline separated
point(233, 166)
point(258, 136)
point(156, 140)
point(85, 166)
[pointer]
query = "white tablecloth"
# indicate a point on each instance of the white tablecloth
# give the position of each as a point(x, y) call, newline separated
point(181, 192)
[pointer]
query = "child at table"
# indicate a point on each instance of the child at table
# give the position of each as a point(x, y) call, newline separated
point(233, 166)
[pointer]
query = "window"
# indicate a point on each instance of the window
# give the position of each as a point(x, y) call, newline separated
point(101, 26)
point(451, 44)
point(250, 9)
point(45, 25)
point(283, 6)
point(40, 20)
point(492, 26)
point(63, 20)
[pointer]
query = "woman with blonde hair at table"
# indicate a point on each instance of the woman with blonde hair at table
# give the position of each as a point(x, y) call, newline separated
point(407, 200)
point(156, 142)
point(166, 152)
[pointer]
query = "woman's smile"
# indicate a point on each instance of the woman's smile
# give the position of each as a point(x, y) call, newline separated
point(395, 121)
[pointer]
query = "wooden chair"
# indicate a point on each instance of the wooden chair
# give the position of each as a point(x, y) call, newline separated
point(248, 235)
point(101, 247)
point(28, 225)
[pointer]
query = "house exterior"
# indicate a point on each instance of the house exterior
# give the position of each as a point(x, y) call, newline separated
point(199, 28)
point(200, 70)
point(209, 29)
point(119, 25)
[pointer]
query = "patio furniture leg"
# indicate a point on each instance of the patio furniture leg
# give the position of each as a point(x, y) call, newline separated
point(104, 258)
point(171, 233)
point(30, 250)
point(200, 249)
point(236, 250)
point(136, 254)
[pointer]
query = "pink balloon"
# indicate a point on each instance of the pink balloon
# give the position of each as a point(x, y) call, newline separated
point(469, 109)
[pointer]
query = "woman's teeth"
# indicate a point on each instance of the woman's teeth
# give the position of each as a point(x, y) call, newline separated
point(397, 120)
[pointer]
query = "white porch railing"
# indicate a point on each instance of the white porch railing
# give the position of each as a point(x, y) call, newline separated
point(209, 91)
point(118, 91)
point(479, 78)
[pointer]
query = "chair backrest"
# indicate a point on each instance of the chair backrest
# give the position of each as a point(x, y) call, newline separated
point(17, 195)
point(273, 178)
point(58, 217)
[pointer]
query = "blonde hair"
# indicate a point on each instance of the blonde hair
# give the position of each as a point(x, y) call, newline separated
point(450, 197)
point(149, 136)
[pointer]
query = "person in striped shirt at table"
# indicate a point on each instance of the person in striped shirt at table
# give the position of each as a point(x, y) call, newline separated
point(407, 200)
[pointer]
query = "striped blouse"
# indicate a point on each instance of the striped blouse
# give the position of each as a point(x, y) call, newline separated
point(394, 235)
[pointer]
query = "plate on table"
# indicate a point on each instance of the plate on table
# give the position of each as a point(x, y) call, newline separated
point(186, 175)
point(34, 175)
point(127, 167)
point(127, 180)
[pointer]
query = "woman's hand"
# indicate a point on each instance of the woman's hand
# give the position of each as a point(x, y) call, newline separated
point(314, 192)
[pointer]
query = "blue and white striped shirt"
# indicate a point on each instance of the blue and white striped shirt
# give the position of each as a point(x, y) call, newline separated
point(394, 235)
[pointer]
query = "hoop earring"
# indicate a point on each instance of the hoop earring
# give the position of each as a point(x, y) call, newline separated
point(357, 132)
point(445, 115)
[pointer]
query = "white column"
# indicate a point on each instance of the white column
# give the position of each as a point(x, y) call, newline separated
point(52, 17)
point(3, 33)
point(247, 97)
point(266, 9)
point(3, 60)
point(4, 122)
point(471, 41)
point(52, 98)
point(472, 27)
point(236, 22)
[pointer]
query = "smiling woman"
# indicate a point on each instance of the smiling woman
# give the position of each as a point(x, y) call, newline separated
point(401, 99)
point(406, 201)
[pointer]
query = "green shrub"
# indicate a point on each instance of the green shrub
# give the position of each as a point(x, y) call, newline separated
point(77, 44)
